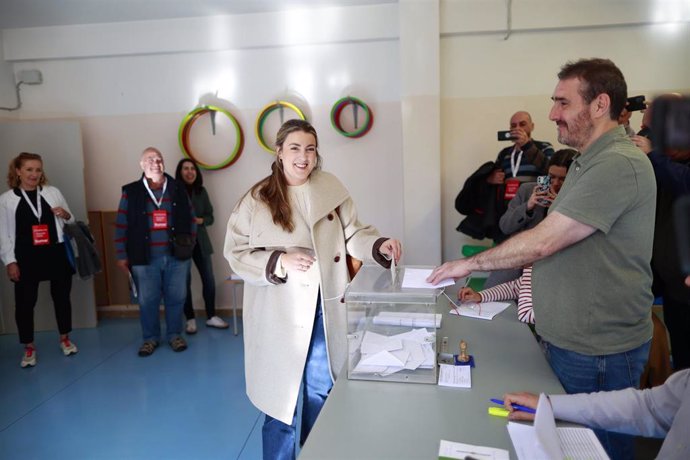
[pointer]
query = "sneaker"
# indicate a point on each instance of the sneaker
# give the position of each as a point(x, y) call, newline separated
point(191, 326)
point(178, 344)
point(29, 357)
point(147, 348)
point(217, 321)
point(68, 347)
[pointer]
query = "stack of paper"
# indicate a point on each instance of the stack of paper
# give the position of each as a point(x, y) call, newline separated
point(455, 376)
point(409, 319)
point(386, 355)
point(483, 310)
point(544, 441)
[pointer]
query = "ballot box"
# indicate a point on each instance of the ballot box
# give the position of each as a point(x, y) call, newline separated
point(391, 329)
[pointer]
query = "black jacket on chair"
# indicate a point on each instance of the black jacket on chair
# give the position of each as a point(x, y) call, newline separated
point(483, 204)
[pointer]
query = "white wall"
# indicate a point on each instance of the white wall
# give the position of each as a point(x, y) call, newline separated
point(485, 79)
point(7, 92)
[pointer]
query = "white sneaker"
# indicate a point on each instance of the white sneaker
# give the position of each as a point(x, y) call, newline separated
point(68, 347)
point(191, 326)
point(217, 321)
point(29, 357)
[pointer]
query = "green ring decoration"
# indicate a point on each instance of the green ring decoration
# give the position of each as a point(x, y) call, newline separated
point(263, 115)
point(186, 126)
point(337, 110)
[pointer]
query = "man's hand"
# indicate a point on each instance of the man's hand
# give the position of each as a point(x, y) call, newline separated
point(520, 136)
point(13, 271)
point(455, 269)
point(497, 177)
point(123, 264)
point(523, 399)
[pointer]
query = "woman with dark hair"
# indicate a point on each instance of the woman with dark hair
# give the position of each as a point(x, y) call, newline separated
point(288, 238)
point(188, 173)
point(32, 215)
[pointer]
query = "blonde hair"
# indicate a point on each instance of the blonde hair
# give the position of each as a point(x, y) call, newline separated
point(13, 180)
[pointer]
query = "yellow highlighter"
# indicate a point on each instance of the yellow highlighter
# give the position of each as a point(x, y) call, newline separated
point(498, 411)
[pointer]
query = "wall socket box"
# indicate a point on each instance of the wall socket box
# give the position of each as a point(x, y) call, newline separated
point(30, 77)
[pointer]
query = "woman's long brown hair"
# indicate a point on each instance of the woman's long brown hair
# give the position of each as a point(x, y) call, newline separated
point(17, 162)
point(272, 189)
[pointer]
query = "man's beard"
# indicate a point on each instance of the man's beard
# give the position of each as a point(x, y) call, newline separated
point(578, 131)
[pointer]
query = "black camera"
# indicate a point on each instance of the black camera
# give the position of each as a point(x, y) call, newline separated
point(505, 136)
point(635, 103)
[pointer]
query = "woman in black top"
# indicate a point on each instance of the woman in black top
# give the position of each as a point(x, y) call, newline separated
point(32, 247)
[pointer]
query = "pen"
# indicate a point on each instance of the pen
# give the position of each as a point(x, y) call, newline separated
point(529, 410)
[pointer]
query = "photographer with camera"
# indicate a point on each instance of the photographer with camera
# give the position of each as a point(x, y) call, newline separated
point(524, 160)
point(530, 205)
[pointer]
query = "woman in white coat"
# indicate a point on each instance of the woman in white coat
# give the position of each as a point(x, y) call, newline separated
point(32, 248)
point(288, 238)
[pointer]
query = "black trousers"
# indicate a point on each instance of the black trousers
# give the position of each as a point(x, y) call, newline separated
point(26, 295)
point(677, 320)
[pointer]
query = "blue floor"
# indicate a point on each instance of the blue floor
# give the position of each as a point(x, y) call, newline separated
point(108, 403)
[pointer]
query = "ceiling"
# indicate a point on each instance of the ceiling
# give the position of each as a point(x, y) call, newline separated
point(45, 13)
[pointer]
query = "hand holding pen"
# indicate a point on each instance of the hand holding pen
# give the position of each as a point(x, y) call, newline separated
point(522, 406)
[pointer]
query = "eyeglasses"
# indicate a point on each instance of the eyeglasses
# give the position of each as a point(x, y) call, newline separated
point(153, 160)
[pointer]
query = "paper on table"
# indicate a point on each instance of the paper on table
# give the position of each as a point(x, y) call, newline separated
point(416, 278)
point(455, 376)
point(483, 310)
point(545, 441)
point(458, 450)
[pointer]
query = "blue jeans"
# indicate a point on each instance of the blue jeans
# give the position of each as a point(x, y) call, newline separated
point(208, 285)
point(163, 278)
point(586, 374)
point(279, 438)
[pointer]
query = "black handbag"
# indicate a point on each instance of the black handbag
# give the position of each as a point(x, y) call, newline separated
point(183, 246)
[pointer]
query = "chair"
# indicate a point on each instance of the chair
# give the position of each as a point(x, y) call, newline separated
point(235, 281)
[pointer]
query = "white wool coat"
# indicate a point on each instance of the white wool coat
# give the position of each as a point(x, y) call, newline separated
point(278, 318)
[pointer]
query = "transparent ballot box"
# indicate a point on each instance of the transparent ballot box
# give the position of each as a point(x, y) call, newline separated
point(391, 330)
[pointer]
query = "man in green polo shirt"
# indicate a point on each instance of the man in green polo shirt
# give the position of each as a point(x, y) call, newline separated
point(592, 277)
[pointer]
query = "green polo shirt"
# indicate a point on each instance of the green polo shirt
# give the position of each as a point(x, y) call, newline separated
point(595, 296)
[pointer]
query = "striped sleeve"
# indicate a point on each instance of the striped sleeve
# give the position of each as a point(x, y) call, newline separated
point(525, 310)
point(505, 291)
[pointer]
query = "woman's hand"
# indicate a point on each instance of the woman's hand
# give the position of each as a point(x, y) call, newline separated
point(642, 143)
point(13, 271)
point(199, 220)
point(524, 399)
point(297, 261)
point(392, 249)
point(61, 213)
point(469, 295)
point(540, 198)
